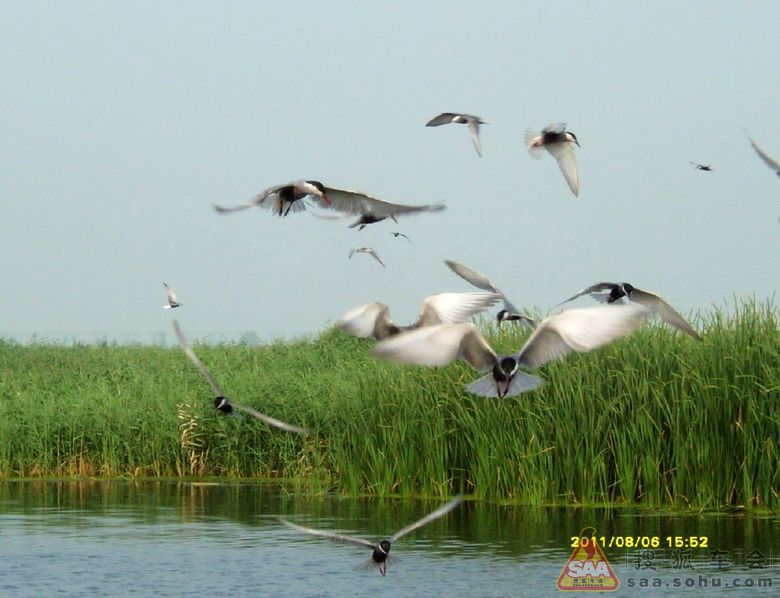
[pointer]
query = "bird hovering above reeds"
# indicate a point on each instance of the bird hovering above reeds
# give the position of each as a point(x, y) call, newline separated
point(282, 199)
point(557, 141)
point(768, 160)
point(610, 292)
point(509, 313)
point(579, 330)
point(367, 250)
point(172, 301)
point(373, 320)
point(381, 550)
point(221, 402)
point(704, 167)
point(472, 121)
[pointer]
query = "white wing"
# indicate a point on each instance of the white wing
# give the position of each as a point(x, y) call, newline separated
point(564, 154)
point(554, 128)
point(271, 421)
point(197, 362)
point(329, 535)
point(170, 294)
point(773, 164)
point(579, 330)
point(261, 199)
point(473, 125)
point(436, 346)
point(362, 320)
point(440, 512)
point(355, 202)
point(452, 308)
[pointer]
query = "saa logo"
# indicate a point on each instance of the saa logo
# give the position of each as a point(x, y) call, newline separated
point(587, 570)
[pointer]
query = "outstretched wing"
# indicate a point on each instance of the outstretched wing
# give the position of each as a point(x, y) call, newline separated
point(440, 512)
point(451, 308)
point(334, 537)
point(355, 202)
point(362, 320)
point(564, 154)
point(474, 132)
point(271, 421)
point(769, 161)
point(444, 118)
point(599, 287)
point(664, 311)
point(194, 359)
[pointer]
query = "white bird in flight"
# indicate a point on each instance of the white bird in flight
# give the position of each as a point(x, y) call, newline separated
point(172, 301)
point(368, 250)
point(472, 121)
point(557, 140)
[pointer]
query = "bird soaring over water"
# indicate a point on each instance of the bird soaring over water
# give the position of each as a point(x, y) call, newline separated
point(557, 140)
point(579, 330)
point(373, 320)
point(221, 402)
point(472, 121)
point(381, 550)
point(509, 312)
point(610, 292)
point(172, 301)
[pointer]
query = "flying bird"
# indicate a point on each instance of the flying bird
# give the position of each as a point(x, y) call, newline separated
point(610, 292)
point(282, 199)
point(221, 402)
point(704, 167)
point(472, 121)
point(579, 330)
point(509, 312)
point(369, 250)
point(172, 301)
point(381, 550)
point(771, 162)
point(557, 140)
point(373, 320)
point(369, 209)
point(396, 235)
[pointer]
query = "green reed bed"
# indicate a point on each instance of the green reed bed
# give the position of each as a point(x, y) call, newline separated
point(656, 419)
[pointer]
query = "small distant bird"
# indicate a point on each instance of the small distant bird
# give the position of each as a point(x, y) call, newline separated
point(369, 250)
point(472, 121)
point(282, 199)
point(221, 402)
point(509, 311)
point(373, 320)
point(579, 330)
point(704, 167)
point(396, 235)
point(172, 301)
point(381, 550)
point(610, 292)
point(557, 140)
point(771, 162)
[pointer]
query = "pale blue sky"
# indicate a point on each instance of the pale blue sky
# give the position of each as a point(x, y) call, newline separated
point(123, 122)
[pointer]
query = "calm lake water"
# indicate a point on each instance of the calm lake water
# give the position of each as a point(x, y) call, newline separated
point(175, 538)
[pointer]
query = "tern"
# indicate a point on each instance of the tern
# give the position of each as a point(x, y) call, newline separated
point(704, 167)
point(221, 402)
point(772, 163)
point(369, 250)
point(282, 199)
point(373, 320)
point(509, 311)
point(370, 209)
point(172, 301)
point(557, 140)
point(472, 121)
point(610, 292)
point(579, 330)
point(381, 550)
point(396, 235)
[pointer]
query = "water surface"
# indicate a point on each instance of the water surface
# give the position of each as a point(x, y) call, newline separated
point(175, 538)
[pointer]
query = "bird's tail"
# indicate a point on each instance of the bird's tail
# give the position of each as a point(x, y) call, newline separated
point(486, 385)
point(530, 137)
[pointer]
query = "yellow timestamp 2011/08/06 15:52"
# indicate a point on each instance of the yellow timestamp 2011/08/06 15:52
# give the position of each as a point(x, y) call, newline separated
point(641, 541)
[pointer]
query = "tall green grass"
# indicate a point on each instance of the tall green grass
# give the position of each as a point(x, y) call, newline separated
point(656, 419)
